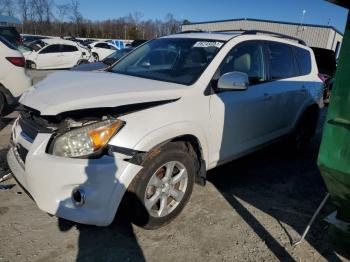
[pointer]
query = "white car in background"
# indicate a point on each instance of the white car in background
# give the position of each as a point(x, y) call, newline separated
point(100, 50)
point(13, 79)
point(55, 54)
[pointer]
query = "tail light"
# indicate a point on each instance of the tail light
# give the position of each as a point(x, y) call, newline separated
point(17, 61)
point(323, 77)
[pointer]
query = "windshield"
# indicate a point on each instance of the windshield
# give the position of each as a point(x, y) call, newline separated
point(178, 60)
point(119, 54)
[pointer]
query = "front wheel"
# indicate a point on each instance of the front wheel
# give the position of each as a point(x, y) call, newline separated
point(162, 188)
point(95, 57)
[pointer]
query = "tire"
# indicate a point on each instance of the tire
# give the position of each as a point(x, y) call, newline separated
point(96, 57)
point(154, 185)
point(303, 133)
point(2, 104)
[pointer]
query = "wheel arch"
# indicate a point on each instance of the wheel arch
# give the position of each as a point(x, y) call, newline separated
point(311, 112)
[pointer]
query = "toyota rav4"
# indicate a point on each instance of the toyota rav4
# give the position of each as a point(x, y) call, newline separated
point(150, 126)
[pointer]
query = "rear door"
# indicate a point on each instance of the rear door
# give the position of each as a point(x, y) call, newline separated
point(284, 89)
point(49, 57)
point(70, 55)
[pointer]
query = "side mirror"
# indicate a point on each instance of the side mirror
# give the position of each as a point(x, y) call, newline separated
point(233, 81)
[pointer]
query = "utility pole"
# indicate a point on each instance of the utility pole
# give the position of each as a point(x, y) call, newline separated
point(301, 22)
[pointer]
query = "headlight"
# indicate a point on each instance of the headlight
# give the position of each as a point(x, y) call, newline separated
point(86, 140)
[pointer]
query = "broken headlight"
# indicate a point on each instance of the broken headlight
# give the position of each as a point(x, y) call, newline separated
point(86, 140)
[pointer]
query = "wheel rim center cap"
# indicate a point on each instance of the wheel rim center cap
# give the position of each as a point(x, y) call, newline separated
point(166, 188)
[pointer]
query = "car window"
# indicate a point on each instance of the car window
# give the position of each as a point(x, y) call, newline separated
point(7, 43)
point(51, 49)
point(247, 58)
point(281, 61)
point(11, 35)
point(178, 60)
point(303, 58)
point(68, 48)
point(102, 45)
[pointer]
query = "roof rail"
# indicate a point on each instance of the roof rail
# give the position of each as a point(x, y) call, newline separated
point(192, 31)
point(255, 32)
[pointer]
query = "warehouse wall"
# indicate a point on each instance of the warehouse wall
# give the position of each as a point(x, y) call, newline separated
point(312, 35)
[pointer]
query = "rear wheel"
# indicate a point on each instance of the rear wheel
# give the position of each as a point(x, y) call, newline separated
point(304, 132)
point(96, 57)
point(2, 104)
point(162, 188)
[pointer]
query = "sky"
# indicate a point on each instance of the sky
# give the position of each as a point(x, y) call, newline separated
point(317, 11)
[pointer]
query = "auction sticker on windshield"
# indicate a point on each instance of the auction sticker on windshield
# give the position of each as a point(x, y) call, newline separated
point(208, 44)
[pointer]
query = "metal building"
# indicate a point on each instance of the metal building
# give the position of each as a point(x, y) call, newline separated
point(314, 35)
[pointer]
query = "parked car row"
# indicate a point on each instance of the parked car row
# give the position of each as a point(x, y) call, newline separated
point(13, 79)
point(152, 125)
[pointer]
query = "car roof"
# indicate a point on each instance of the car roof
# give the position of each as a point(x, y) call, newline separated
point(52, 41)
point(226, 36)
point(205, 35)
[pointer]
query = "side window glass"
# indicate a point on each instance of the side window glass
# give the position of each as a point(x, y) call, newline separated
point(69, 48)
point(304, 60)
point(247, 58)
point(281, 61)
point(51, 49)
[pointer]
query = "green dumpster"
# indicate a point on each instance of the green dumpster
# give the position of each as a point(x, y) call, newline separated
point(334, 156)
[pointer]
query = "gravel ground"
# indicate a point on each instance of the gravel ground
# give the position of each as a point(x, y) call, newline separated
point(250, 210)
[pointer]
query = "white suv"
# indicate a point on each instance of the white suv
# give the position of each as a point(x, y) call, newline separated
point(13, 79)
point(156, 121)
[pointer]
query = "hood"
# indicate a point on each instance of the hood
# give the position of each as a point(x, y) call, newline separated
point(73, 90)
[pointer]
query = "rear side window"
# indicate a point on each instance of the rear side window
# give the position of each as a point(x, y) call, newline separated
point(51, 49)
point(281, 61)
point(102, 45)
point(68, 48)
point(303, 60)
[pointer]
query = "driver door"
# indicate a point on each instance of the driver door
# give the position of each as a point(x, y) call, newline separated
point(238, 118)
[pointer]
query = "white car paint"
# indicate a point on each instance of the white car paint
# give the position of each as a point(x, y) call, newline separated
point(102, 49)
point(13, 79)
point(227, 126)
point(61, 57)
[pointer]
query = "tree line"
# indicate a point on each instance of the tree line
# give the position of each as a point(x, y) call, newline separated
point(46, 17)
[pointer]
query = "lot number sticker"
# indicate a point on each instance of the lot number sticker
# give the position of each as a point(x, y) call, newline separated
point(208, 44)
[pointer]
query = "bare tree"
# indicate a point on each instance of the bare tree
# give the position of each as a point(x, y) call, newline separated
point(76, 16)
point(23, 7)
point(62, 13)
point(7, 7)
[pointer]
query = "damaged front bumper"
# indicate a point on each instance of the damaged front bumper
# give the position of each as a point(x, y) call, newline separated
point(50, 180)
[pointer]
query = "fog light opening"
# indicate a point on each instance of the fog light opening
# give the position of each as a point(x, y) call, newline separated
point(78, 196)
